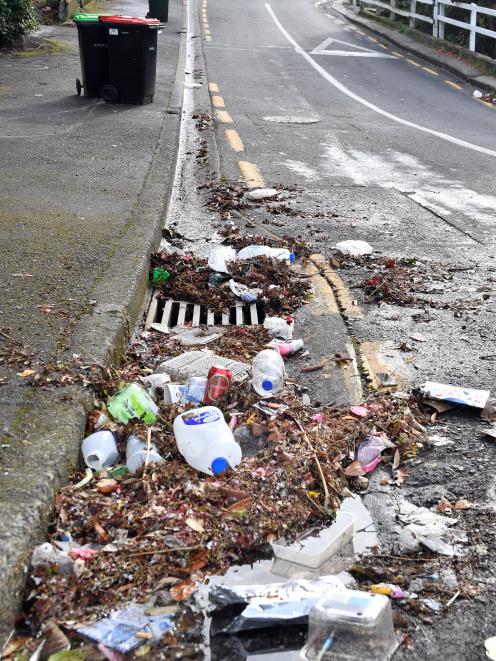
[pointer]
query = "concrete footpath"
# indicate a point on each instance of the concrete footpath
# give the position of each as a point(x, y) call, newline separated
point(84, 192)
point(433, 50)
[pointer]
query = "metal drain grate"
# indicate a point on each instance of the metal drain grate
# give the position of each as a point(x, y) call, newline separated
point(165, 314)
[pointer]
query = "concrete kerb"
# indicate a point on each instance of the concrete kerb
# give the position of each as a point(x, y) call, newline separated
point(56, 420)
point(424, 51)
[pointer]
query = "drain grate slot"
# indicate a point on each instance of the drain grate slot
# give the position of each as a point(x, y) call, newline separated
point(163, 315)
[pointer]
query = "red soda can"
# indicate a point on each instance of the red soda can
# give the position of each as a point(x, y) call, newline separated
point(218, 383)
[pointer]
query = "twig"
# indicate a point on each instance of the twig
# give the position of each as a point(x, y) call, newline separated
point(324, 483)
point(148, 448)
point(313, 368)
point(163, 551)
point(453, 598)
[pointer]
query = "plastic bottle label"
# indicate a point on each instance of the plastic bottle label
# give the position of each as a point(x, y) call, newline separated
point(199, 418)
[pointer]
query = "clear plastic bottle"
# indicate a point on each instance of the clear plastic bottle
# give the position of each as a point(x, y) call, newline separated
point(267, 373)
point(256, 251)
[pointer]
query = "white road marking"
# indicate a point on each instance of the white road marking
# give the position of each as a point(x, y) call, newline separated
point(342, 88)
point(360, 51)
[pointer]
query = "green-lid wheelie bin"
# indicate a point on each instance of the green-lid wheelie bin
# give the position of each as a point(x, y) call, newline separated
point(93, 52)
point(132, 58)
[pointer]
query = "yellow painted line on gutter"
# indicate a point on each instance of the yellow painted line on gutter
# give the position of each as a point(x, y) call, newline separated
point(373, 39)
point(213, 87)
point(397, 54)
point(251, 174)
point(431, 71)
point(234, 140)
point(218, 102)
point(360, 32)
point(486, 103)
point(224, 117)
point(347, 304)
point(383, 46)
point(207, 33)
point(454, 85)
point(415, 64)
point(208, 38)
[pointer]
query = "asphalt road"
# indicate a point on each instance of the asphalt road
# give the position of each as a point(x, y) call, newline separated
point(387, 148)
point(359, 99)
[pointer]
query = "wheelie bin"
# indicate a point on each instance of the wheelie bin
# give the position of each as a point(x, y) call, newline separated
point(132, 59)
point(159, 9)
point(93, 49)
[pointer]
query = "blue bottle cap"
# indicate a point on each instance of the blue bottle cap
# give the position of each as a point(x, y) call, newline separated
point(292, 256)
point(267, 384)
point(219, 465)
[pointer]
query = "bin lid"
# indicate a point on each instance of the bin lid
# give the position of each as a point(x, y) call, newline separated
point(86, 18)
point(129, 20)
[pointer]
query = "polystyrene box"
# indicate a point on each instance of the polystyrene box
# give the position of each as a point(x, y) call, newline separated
point(328, 551)
point(351, 626)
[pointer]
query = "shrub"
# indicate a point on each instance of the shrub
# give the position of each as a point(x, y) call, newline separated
point(16, 18)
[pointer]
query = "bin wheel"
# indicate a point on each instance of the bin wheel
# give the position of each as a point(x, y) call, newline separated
point(79, 86)
point(110, 94)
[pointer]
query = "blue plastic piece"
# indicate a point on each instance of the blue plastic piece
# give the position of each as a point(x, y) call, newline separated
point(292, 256)
point(267, 384)
point(219, 465)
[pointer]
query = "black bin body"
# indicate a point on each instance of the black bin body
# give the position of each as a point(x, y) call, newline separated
point(93, 53)
point(159, 9)
point(132, 57)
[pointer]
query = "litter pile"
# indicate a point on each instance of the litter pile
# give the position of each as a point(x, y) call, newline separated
point(200, 457)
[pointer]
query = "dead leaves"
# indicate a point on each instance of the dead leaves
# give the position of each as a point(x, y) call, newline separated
point(183, 590)
point(195, 524)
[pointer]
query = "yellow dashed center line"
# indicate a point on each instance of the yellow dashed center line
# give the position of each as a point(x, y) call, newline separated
point(397, 54)
point(213, 87)
point(454, 85)
point(373, 39)
point(415, 64)
point(383, 46)
point(224, 117)
point(251, 174)
point(218, 102)
point(431, 71)
point(234, 140)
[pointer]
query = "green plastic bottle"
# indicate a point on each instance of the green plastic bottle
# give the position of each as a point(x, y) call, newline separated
point(160, 276)
point(133, 402)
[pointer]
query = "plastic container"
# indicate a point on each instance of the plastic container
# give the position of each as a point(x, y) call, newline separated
point(257, 251)
point(132, 59)
point(159, 9)
point(205, 440)
point(267, 373)
point(136, 453)
point(93, 53)
point(314, 554)
point(132, 402)
point(100, 450)
point(350, 626)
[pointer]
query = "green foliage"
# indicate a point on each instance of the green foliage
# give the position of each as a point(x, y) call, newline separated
point(16, 18)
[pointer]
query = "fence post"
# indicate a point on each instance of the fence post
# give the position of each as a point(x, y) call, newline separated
point(413, 10)
point(439, 19)
point(473, 25)
point(392, 13)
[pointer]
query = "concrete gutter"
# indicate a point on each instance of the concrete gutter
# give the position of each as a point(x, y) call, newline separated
point(40, 445)
point(430, 50)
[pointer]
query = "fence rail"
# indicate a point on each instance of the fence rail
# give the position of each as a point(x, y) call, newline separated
point(438, 19)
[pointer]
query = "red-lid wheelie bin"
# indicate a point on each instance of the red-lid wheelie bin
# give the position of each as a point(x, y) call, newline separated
point(132, 59)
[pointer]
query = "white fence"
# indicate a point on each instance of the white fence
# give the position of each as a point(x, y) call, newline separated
point(438, 18)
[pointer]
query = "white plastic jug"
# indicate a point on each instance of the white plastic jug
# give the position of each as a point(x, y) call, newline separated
point(267, 373)
point(136, 453)
point(100, 450)
point(205, 440)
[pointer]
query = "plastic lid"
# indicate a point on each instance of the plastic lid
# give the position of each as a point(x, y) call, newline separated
point(129, 20)
point(83, 18)
point(292, 256)
point(267, 384)
point(219, 465)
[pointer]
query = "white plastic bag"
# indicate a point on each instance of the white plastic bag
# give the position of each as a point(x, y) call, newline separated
point(354, 248)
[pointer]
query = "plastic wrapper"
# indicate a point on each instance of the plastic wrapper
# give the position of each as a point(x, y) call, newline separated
point(119, 630)
point(274, 604)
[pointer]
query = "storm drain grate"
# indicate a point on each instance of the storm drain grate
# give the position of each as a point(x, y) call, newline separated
point(165, 314)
